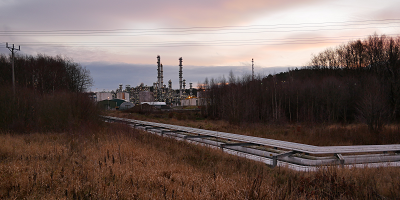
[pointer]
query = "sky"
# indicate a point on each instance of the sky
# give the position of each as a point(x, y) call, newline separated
point(118, 41)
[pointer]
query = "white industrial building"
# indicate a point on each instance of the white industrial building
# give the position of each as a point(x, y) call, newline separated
point(190, 101)
point(100, 96)
point(123, 96)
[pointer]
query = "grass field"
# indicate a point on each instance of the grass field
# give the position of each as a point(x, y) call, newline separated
point(116, 162)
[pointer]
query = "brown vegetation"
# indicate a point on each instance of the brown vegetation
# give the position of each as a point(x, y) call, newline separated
point(117, 162)
point(53, 146)
point(29, 111)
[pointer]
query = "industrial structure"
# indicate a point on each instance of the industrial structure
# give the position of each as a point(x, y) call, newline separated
point(158, 92)
point(180, 77)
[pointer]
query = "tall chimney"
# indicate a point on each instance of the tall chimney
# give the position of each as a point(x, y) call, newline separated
point(162, 77)
point(180, 77)
point(158, 72)
point(191, 89)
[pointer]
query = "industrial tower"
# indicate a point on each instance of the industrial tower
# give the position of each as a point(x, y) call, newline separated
point(180, 77)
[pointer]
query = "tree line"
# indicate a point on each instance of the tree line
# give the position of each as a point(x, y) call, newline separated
point(45, 74)
point(49, 95)
point(354, 82)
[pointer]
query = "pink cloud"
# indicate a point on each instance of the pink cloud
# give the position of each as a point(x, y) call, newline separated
point(104, 13)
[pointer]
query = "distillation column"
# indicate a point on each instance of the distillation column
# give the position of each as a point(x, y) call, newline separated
point(191, 89)
point(158, 72)
point(180, 77)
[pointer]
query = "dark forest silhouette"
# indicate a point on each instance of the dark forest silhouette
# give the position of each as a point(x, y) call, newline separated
point(48, 95)
point(45, 74)
point(355, 82)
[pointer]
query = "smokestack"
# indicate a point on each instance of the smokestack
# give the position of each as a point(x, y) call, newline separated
point(180, 77)
point(191, 89)
point(162, 77)
point(158, 72)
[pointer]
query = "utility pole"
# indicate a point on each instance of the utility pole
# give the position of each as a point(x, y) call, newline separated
point(252, 69)
point(12, 49)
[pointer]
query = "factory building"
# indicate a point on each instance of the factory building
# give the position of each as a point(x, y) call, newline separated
point(146, 96)
point(100, 96)
point(123, 96)
point(190, 101)
point(158, 92)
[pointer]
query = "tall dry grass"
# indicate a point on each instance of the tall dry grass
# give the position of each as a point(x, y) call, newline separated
point(117, 162)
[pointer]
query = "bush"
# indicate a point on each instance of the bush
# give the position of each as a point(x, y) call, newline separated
point(29, 111)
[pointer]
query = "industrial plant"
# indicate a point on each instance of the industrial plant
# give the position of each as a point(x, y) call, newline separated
point(158, 94)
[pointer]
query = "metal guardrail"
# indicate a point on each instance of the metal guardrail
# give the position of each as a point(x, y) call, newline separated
point(297, 156)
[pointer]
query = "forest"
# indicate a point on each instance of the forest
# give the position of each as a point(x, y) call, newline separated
point(356, 82)
point(45, 74)
point(48, 96)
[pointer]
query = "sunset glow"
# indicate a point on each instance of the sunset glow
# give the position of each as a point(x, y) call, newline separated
point(214, 34)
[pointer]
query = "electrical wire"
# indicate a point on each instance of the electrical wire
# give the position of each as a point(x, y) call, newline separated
point(331, 26)
point(213, 30)
point(224, 27)
point(250, 42)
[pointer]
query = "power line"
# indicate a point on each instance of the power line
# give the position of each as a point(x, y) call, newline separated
point(222, 32)
point(216, 27)
point(212, 30)
point(250, 42)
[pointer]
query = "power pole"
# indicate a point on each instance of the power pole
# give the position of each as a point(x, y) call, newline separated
point(252, 69)
point(13, 49)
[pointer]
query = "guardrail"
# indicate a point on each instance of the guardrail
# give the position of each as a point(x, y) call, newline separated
point(275, 152)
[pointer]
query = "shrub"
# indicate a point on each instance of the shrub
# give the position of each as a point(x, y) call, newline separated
point(30, 111)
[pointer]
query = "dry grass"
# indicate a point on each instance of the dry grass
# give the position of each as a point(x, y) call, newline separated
point(321, 135)
point(116, 162)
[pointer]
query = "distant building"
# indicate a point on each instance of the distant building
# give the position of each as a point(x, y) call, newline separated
point(190, 101)
point(146, 96)
point(100, 96)
point(126, 105)
point(123, 95)
point(110, 104)
point(107, 104)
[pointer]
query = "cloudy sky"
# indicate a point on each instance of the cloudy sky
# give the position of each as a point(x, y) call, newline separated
point(118, 41)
